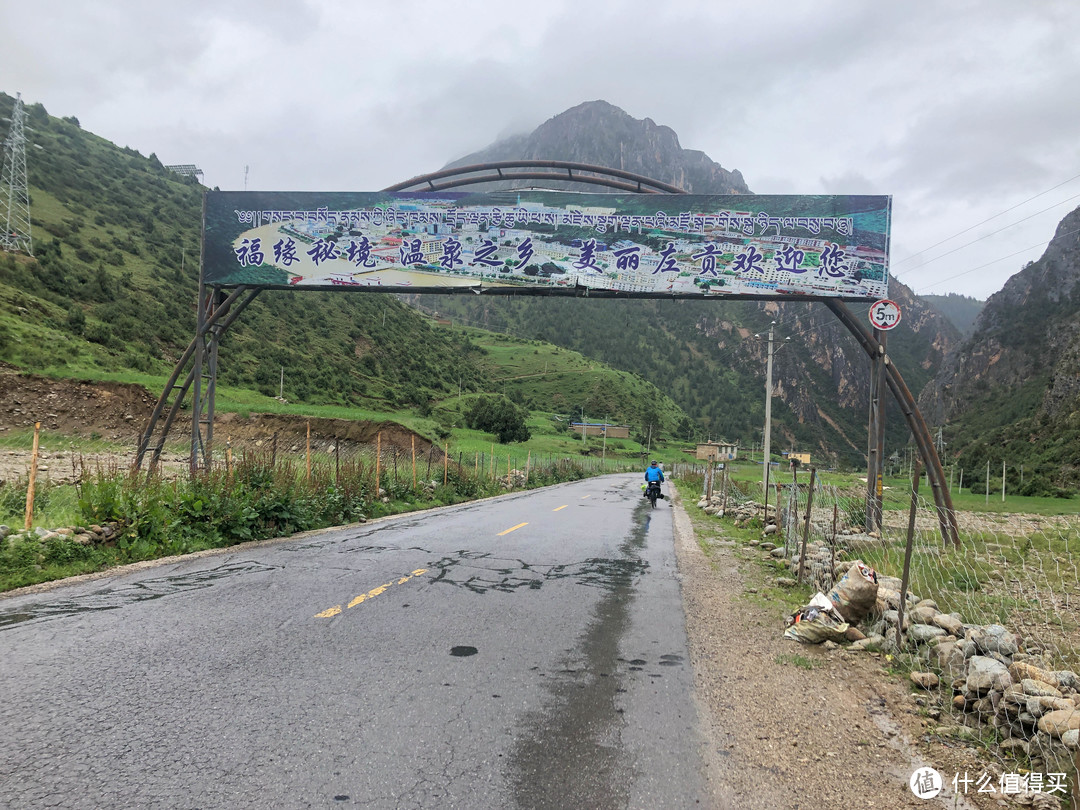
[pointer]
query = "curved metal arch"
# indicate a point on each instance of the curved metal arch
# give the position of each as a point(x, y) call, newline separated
point(600, 176)
point(530, 170)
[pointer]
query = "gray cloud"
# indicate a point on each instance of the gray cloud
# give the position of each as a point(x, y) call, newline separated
point(960, 110)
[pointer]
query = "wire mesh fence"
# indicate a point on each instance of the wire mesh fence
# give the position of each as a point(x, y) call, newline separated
point(996, 619)
point(389, 464)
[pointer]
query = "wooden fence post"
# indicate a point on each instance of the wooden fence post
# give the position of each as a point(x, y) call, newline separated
point(378, 461)
point(29, 521)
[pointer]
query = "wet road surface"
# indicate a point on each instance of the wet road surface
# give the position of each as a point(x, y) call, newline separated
point(527, 651)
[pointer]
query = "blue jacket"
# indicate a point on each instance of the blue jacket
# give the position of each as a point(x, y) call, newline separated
point(654, 474)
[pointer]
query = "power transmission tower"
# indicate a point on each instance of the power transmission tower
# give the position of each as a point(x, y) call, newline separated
point(14, 195)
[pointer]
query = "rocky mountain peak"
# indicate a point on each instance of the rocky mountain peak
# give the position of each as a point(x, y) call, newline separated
point(602, 134)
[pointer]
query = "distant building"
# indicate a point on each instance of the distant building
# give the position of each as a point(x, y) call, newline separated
point(717, 451)
point(599, 429)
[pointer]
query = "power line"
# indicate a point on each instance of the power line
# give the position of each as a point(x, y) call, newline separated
point(995, 216)
point(1002, 258)
point(985, 236)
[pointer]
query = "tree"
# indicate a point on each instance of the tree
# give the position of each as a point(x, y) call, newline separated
point(500, 416)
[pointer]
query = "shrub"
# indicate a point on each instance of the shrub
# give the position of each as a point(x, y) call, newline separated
point(498, 415)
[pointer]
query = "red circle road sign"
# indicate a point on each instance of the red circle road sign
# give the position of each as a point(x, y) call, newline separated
point(884, 314)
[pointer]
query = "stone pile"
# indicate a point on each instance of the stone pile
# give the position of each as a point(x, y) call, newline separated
point(515, 480)
point(995, 677)
point(83, 535)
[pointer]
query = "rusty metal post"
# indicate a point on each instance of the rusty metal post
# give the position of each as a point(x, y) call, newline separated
point(907, 552)
point(875, 436)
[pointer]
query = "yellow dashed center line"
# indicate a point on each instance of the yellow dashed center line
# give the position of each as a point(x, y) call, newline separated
point(512, 529)
point(557, 508)
point(336, 609)
point(583, 497)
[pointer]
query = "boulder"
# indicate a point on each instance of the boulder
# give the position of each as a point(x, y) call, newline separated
point(891, 617)
point(892, 583)
point(950, 624)
point(923, 633)
point(1038, 706)
point(948, 659)
point(995, 638)
point(925, 680)
point(1036, 688)
point(1066, 679)
point(1057, 723)
point(869, 641)
point(985, 674)
point(924, 614)
point(887, 599)
point(1071, 738)
point(1022, 671)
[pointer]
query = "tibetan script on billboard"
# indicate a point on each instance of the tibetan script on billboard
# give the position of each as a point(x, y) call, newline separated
point(548, 242)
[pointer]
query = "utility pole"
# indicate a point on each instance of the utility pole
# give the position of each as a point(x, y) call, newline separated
point(603, 451)
point(14, 194)
point(876, 436)
point(767, 439)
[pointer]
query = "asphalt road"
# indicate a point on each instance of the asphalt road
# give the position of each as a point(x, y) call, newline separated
point(526, 651)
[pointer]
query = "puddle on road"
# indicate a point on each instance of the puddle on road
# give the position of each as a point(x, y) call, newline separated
point(113, 598)
point(569, 754)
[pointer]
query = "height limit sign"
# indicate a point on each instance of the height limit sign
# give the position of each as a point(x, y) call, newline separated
point(884, 314)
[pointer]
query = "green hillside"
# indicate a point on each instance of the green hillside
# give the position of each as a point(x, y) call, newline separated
point(111, 294)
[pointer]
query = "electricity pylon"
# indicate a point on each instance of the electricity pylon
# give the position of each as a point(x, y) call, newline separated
point(14, 195)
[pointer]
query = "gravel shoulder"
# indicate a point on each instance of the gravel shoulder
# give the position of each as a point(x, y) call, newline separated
point(794, 725)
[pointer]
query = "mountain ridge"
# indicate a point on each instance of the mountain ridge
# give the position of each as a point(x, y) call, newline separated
point(822, 388)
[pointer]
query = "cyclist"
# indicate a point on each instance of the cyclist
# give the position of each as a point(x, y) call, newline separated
point(654, 473)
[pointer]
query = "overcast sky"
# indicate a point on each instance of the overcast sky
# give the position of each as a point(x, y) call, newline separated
point(962, 110)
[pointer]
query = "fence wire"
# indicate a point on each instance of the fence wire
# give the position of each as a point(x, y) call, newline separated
point(1014, 577)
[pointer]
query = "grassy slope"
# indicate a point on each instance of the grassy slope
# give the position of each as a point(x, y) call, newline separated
point(111, 296)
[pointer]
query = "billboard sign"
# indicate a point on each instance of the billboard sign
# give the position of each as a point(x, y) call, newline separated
point(548, 242)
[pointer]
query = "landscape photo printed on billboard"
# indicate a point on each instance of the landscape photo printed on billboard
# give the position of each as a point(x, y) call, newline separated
point(549, 242)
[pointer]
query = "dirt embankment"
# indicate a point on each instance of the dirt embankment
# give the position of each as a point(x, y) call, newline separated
point(116, 414)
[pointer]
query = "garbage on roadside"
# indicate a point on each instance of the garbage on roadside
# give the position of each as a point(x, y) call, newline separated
point(818, 622)
point(856, 593)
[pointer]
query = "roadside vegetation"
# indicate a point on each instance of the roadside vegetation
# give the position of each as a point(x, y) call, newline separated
point(256, 499)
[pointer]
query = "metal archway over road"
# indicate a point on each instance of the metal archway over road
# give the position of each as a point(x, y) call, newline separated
point(424, 235)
